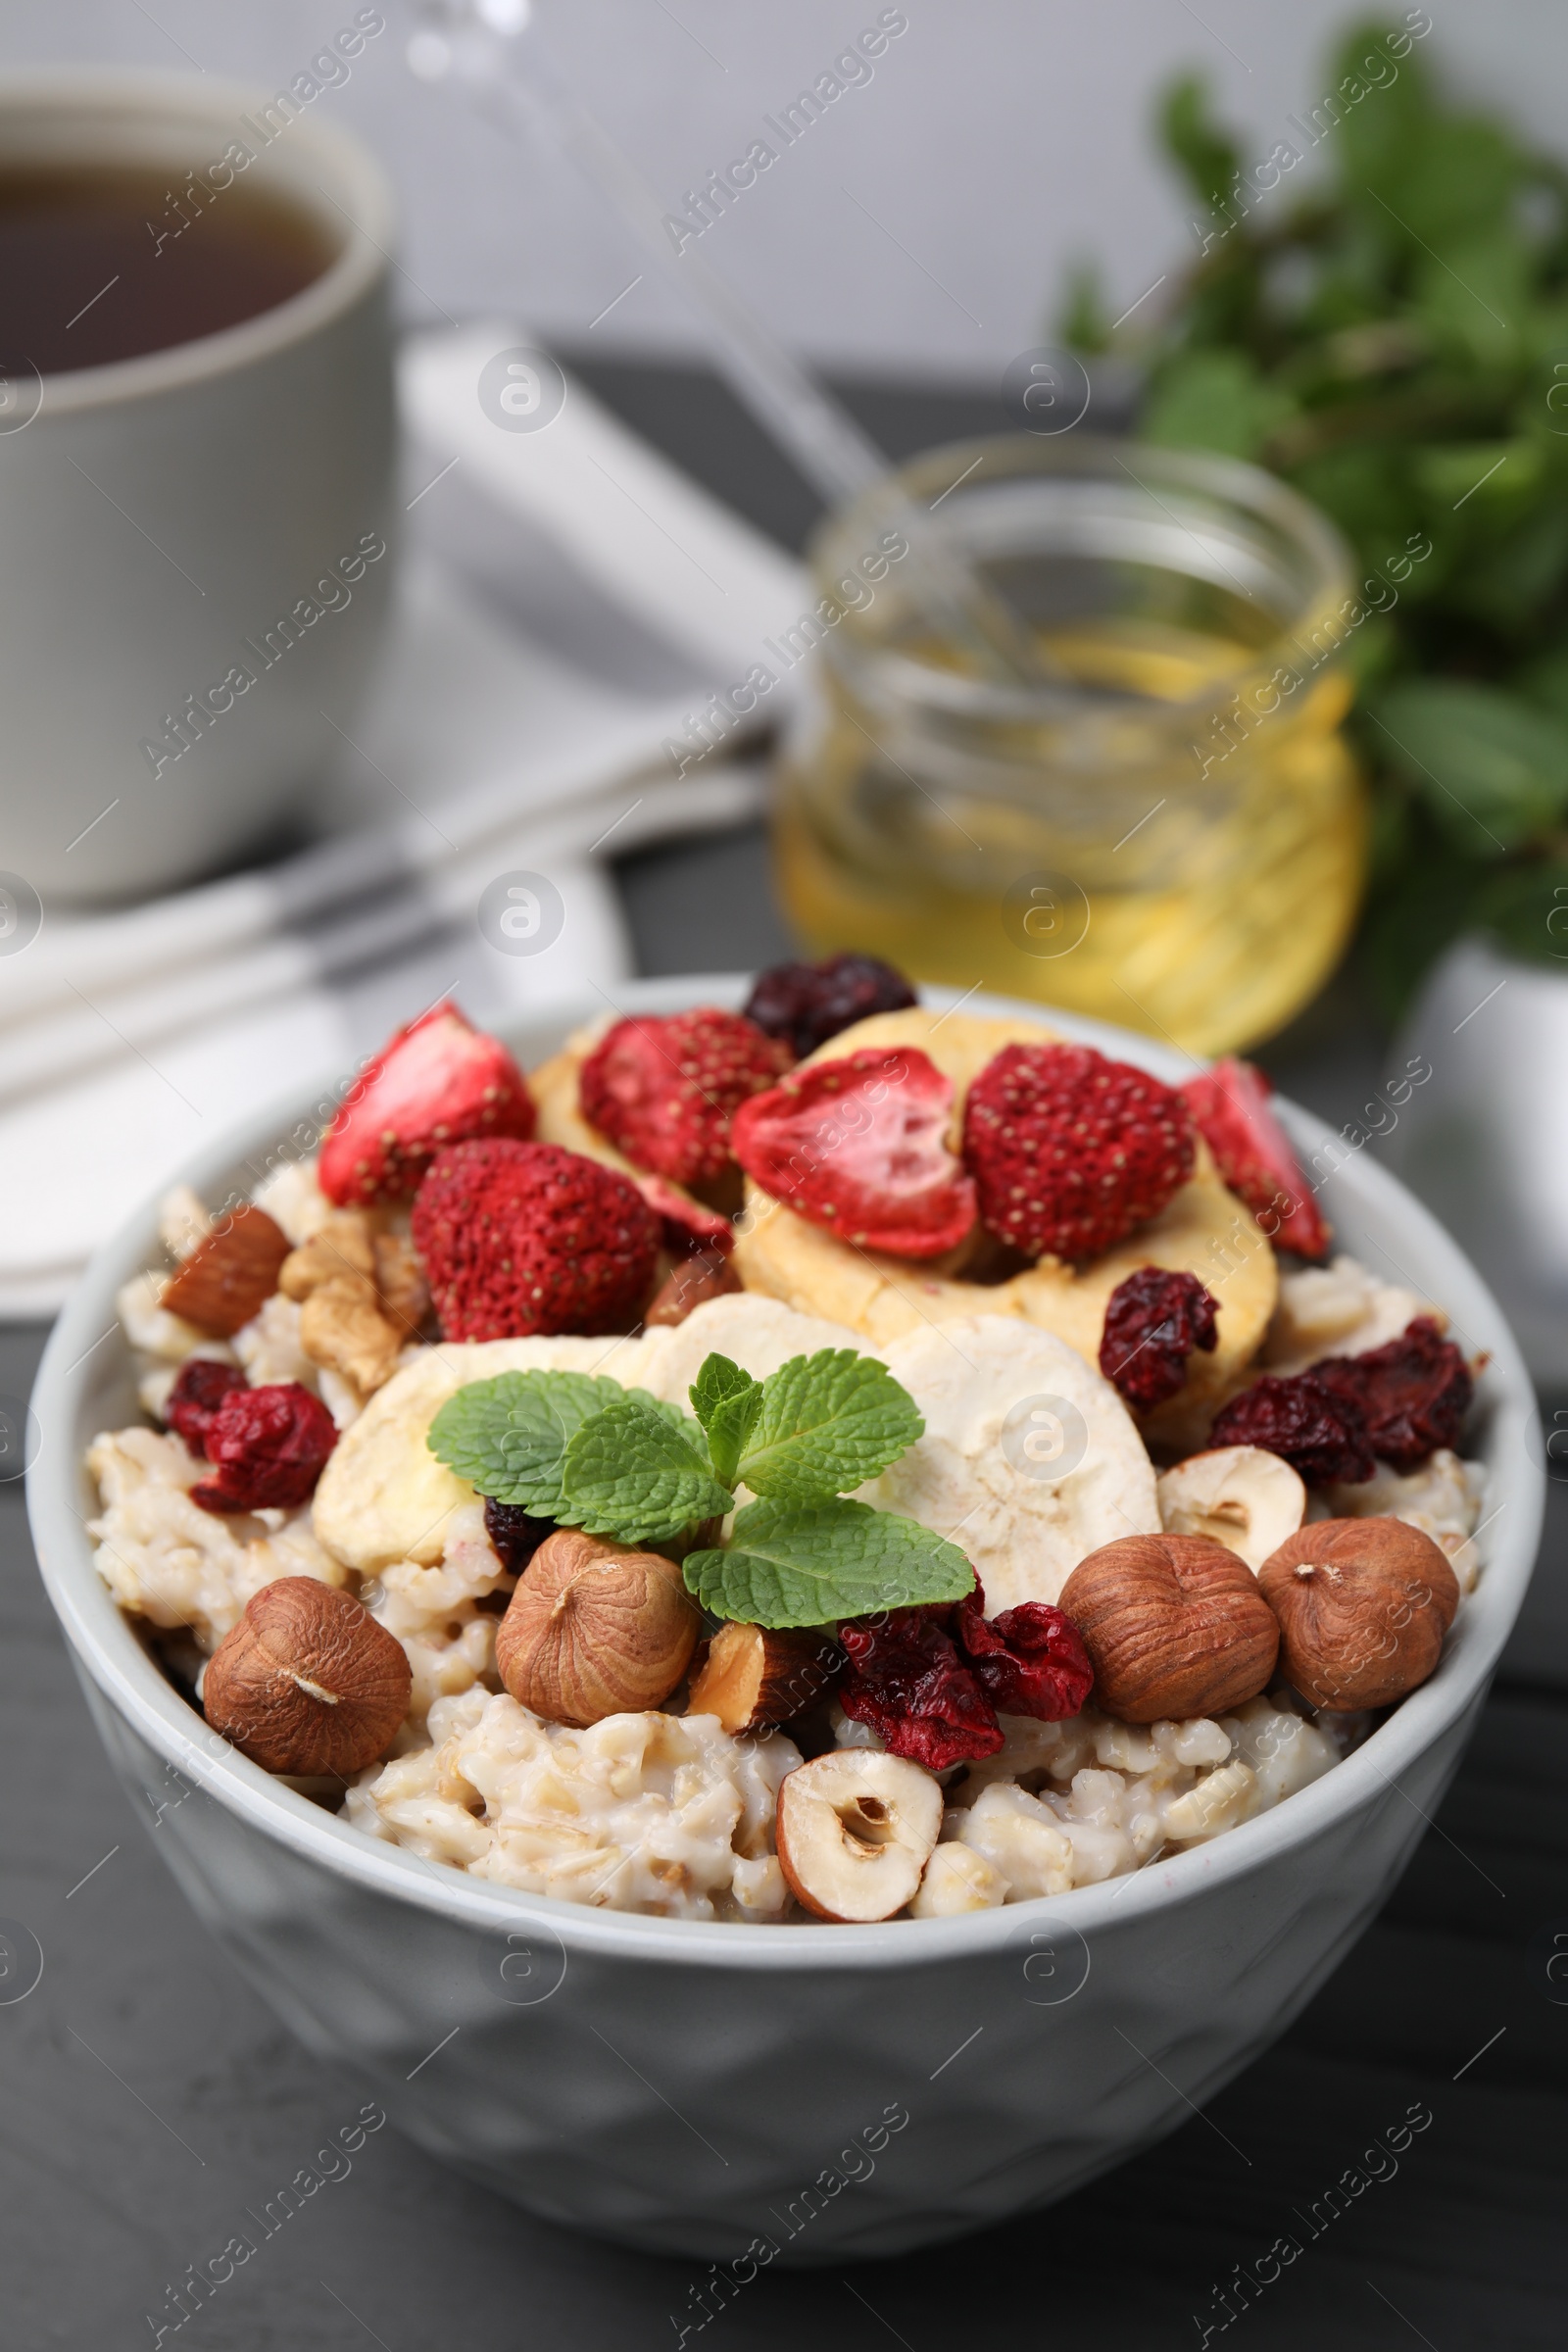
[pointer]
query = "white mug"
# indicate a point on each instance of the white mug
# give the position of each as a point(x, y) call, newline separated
point(195, 545)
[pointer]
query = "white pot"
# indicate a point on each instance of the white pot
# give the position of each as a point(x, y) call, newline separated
point(1484, 1139)
point(682, 2086)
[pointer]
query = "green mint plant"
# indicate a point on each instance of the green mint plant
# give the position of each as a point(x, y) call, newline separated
point(1377, 310)
point(614, 1461)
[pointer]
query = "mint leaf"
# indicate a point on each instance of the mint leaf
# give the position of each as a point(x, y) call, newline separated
point(726, 1402)
point(828, 1422)
point(803, 1564)
point(507, 1435)
point(633, 1472)
point(1199, 145)
point(1215, 400)
point(716, 1383)
point(1492, 769)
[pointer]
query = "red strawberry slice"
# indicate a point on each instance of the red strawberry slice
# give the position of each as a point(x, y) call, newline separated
point(439, 1081)
point(665, 1090)
point(1230, 1104)
point(521, 1238)
point(860, 1146)
point(687, 1226)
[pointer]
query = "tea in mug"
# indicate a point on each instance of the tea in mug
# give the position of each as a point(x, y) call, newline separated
point(104, 263)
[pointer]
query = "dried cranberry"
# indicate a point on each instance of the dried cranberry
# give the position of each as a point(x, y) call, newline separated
point(1320, 1434)
point(1030, 1660)
point(1413, 1393)
point(807, 1004)
point(200, 1386)
point(908, 1682)
point(269, 1446)
point(515, 1534)
point(1153, 1323)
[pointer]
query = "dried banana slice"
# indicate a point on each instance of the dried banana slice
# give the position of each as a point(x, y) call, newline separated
point(1029, 1461)
point(384, 1497)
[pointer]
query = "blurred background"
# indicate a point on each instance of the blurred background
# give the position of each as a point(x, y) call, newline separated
point(999, 143)
point(1326, 242)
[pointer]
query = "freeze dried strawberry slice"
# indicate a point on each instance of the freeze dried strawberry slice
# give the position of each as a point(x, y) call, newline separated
point(439, 1081)
point(686, 1226)
point(664, 1090)
point(519, 1239)
point(859, 1145)
point(1071, 1153)
point(1233, 1116)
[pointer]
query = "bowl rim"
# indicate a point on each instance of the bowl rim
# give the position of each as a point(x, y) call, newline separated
point(107, 1651)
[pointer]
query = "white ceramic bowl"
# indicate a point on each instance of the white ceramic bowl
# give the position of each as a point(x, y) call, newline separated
point(691, 2087)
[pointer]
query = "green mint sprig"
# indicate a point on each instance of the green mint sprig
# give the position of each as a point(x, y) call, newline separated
point(823, 1424)
point(633, 1474)
point(726, 1402)
point(507, 1437)
point(614, 1461)
point(805, 1563)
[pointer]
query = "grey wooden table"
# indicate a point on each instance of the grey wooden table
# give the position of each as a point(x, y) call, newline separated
point(147, 2095)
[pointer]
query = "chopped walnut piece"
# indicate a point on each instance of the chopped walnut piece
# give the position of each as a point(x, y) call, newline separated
point(343, 1247)
point(400, 1279)
point(342, 1328)
point(347, 1323)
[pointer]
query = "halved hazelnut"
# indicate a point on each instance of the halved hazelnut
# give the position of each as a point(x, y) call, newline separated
point(1175, 1626)
point(1241, 1497)
point(855, 1831)
point(229, 1274)
point(1364, 1605)
point(751, 1676)
point(594, 1629)
point(307, 1681)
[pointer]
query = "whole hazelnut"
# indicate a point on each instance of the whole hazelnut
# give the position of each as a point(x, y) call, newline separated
point(594, 1629)
point(1364, 1605)
point(307, 1681)
point(1174, 1626)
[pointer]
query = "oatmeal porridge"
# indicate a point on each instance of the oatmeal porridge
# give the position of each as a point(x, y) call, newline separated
point(943, 1470)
